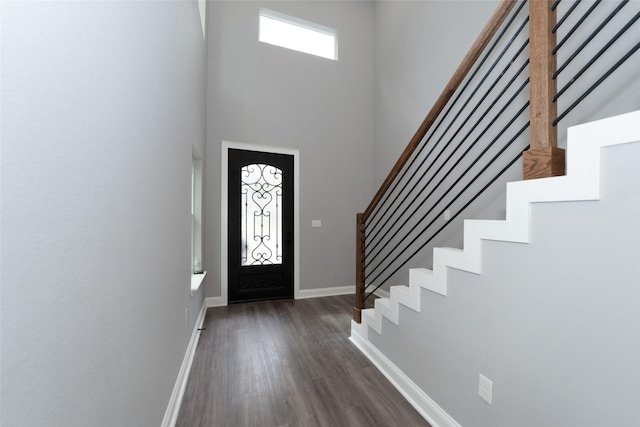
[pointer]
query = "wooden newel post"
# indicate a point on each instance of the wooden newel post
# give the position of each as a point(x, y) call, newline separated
point(544, 158)
point(357, 311)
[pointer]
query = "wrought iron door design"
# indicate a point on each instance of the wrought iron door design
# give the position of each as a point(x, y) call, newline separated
point(261, 213)
point(260, 249)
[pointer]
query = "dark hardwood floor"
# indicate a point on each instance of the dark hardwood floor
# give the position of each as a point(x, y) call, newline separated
point(287, 363)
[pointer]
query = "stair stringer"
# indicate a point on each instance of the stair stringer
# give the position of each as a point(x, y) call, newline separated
point(582, 182)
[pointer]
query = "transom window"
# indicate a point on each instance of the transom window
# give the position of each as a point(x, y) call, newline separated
point(292, 33)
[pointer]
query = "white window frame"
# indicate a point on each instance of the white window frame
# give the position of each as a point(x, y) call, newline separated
point(300, 27)
point(202, 11)
point(196, 220)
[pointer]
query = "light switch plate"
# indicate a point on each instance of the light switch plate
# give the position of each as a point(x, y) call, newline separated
point(485, 388)
point(316, 223)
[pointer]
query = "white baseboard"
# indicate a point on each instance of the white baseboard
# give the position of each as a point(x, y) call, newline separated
point(214, 302)
point(171, 414)
point(427, 407)
point(325, 292)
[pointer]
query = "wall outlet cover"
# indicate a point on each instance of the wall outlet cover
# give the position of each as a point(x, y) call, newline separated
point(485, 388)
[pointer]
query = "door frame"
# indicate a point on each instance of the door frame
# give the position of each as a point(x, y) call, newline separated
point(224, 220)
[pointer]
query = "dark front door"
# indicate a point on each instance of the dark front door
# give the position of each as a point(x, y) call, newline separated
point(260, 250)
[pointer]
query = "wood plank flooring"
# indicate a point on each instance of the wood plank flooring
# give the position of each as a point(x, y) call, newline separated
point(287, 363)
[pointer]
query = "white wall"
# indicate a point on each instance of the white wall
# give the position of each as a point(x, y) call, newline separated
point(267, 95)
point(101, 103)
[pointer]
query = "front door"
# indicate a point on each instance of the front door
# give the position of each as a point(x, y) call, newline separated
point(260, 243)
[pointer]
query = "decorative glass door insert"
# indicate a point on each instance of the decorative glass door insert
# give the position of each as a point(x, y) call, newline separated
point(261, 190)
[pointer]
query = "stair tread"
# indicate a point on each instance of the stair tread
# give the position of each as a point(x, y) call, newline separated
point(402, 288)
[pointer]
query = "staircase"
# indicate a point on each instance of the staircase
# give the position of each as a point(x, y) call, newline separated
point(536, 322)
point(517, 324)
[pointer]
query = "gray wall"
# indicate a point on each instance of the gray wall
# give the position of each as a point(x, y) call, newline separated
point(418, 46)
point(555, 324)
point(620, 93)
point(266, 95)
point(101, 103)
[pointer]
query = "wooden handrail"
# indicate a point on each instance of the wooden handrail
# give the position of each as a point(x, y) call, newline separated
point(496, 20)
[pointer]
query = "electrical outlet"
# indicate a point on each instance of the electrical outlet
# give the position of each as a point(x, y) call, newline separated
point(186, 316)
point(485, 388)
point(447, 215)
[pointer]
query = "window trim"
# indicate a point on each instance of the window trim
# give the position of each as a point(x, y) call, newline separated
point(300, 23)
point(196, 220)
